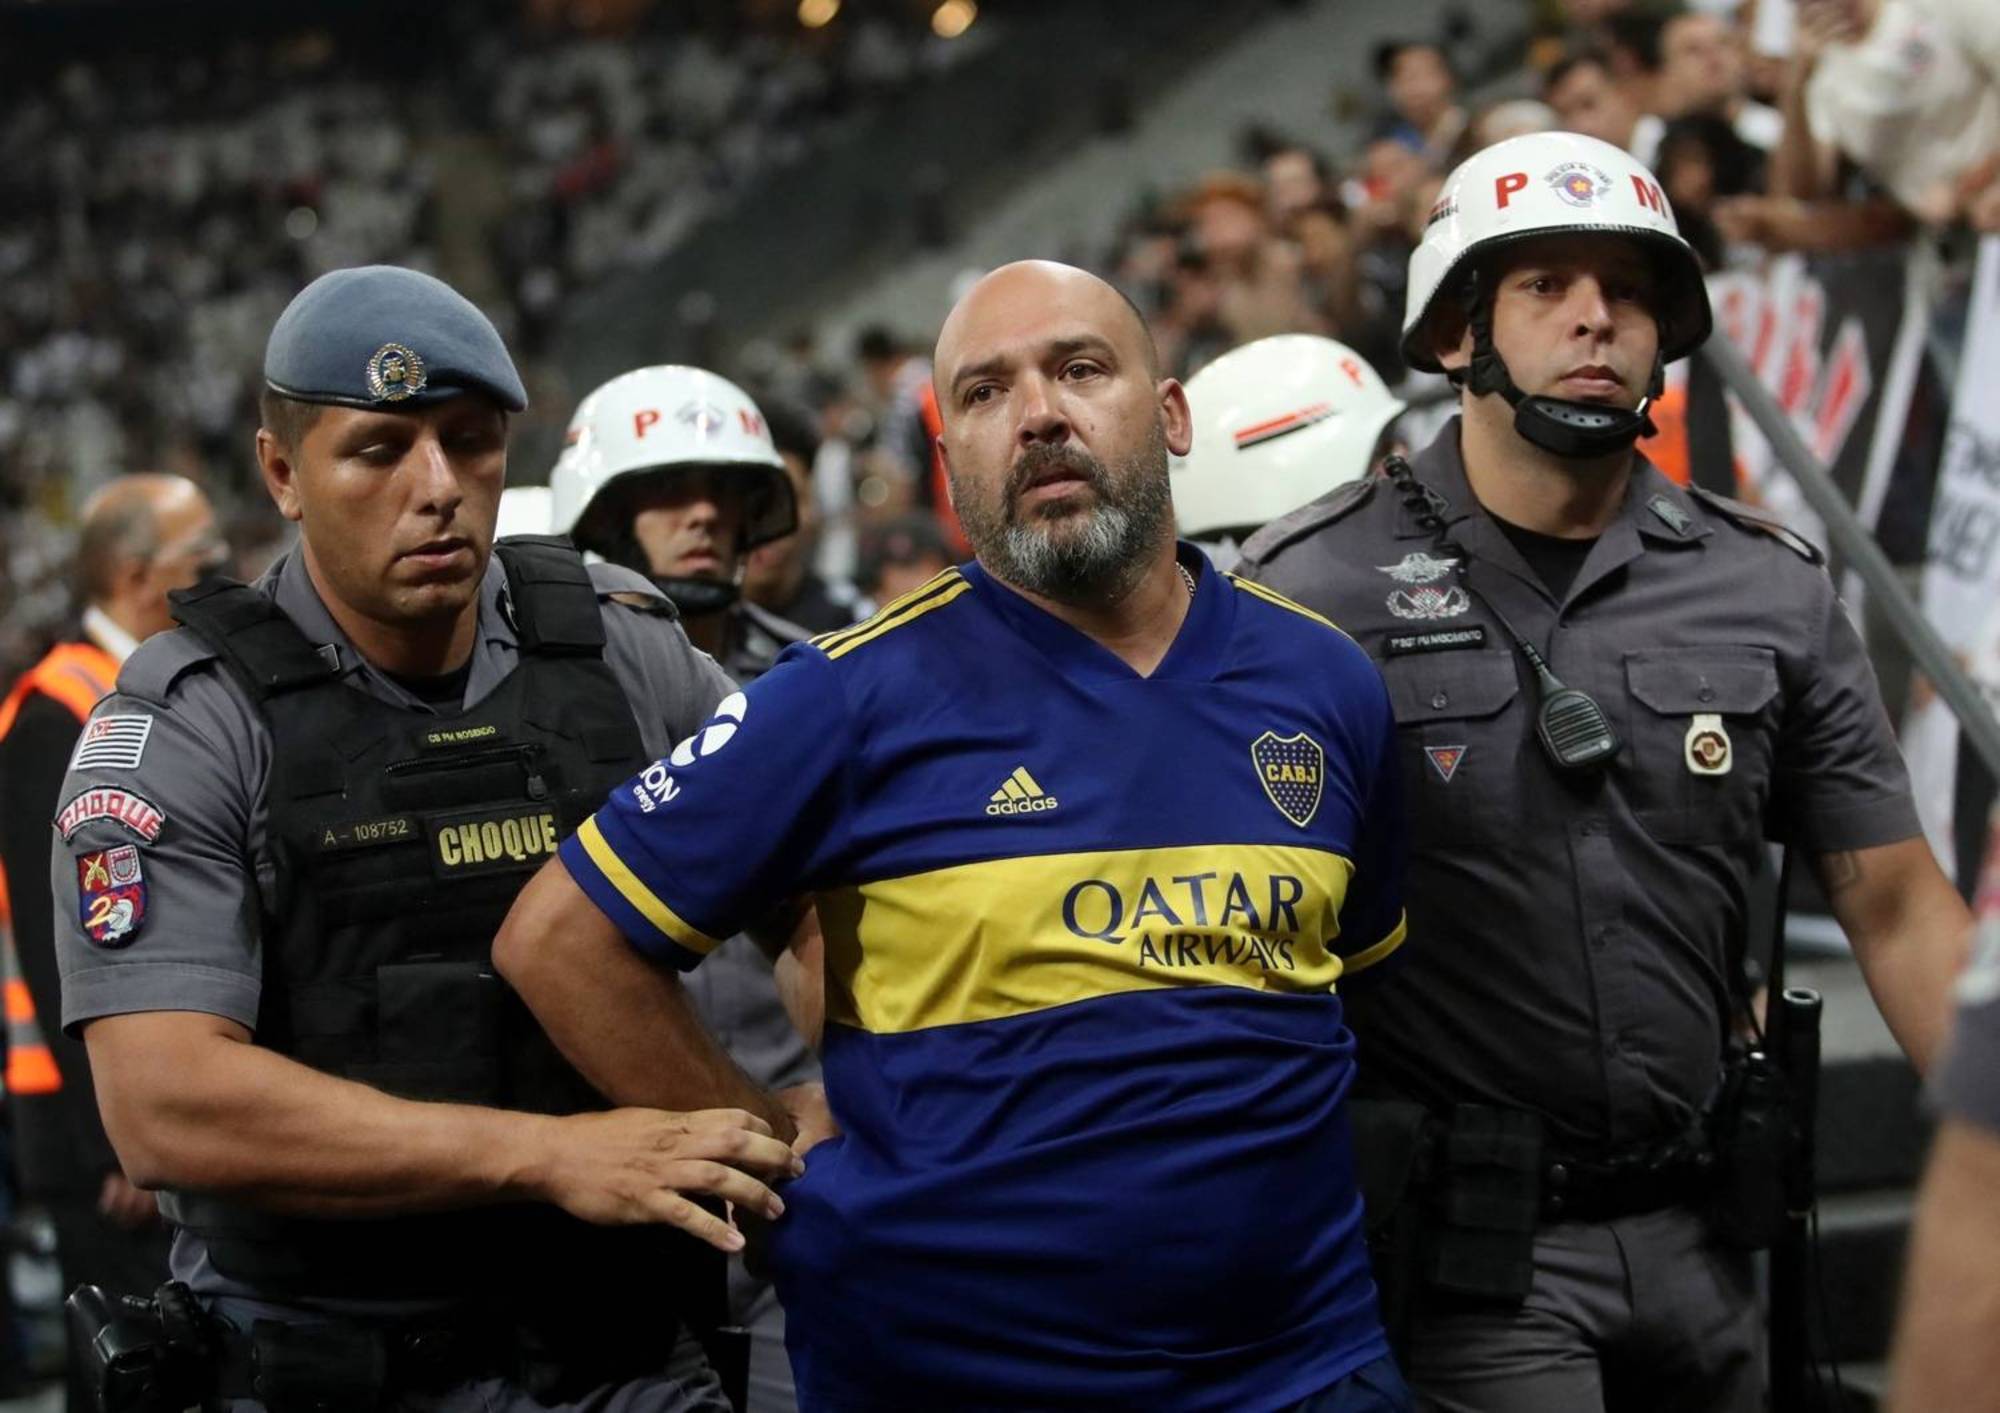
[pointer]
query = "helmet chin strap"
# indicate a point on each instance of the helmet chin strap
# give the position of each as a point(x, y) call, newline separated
point(697, 598)
point(1561, 426)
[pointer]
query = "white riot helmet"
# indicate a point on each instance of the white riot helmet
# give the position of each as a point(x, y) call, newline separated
point(656, 421)
point(524, 510)
point(1548, 183)
point(1277, 423)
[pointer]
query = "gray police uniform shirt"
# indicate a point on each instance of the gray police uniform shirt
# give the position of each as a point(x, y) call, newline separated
point(1576, 937)
point(184, 758)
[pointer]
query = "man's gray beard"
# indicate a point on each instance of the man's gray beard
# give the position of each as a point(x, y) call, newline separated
point(1098, 561)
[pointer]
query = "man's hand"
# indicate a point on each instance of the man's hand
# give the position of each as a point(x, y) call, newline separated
point(633, 1166)
point(124, 1205)
point(806, 1103)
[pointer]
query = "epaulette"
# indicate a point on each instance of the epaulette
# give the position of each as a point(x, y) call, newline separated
point(782, 629)
point(1762, 522)
point(629, 587)
point(1336, 504)
point(161, 661)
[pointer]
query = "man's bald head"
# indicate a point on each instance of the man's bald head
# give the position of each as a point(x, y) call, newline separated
point(1045, 285)
point(1057, 430)
point(140, 537)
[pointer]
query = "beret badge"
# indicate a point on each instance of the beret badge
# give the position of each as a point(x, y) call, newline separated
point(394, 373)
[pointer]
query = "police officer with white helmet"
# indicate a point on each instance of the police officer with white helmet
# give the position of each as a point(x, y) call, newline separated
point(1610, 692)
point(1277, 422)
point(671, 471)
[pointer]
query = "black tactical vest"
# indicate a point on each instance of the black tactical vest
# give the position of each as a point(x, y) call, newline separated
point(401, 839)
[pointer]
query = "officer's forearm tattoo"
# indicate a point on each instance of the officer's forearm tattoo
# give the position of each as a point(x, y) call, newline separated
point(1838, 871)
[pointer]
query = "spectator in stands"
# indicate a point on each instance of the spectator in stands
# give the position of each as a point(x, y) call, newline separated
point(1704, 161)
point(909, 551)
point(1511, 117)
point(1422, 89)
point(1906, 90)
point(780, 576)
point(1588, 98)
point(895, 380)
point(1296, 180)
point(1703, 72)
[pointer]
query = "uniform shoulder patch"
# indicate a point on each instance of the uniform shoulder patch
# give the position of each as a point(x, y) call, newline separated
point(1336, 504)
point(1761, 522)
point(617, 584)
point(162, 660)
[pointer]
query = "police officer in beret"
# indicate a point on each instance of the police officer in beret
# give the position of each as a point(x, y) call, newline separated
point(1583, 859)
point(323, 792)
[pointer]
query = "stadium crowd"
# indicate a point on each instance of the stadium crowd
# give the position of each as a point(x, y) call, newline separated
point(167, 208)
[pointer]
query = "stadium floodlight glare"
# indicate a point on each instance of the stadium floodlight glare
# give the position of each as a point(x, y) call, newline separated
point(953, 18)
point(816, 14)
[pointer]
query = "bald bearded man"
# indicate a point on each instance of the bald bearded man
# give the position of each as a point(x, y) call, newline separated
point(1093, 831)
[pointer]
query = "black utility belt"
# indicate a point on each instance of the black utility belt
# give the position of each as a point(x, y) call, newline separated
point(353, 1365)
point(1456, 1198)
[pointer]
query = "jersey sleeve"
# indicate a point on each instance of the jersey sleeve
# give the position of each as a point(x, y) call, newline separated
point(1842, 781)
point(738, 817)
point(155, 894)
point(1372, 924)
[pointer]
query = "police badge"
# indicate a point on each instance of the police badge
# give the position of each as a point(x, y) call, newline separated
point(394, 373)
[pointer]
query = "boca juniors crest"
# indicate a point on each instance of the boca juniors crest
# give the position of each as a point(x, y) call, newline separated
point(111, 894)
point(1292, 770)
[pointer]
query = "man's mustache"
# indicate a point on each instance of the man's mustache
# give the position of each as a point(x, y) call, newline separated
point(1039, 460)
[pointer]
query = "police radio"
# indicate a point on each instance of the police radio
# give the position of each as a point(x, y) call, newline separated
point(1575, 733)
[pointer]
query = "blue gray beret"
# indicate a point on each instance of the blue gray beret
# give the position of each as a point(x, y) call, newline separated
point(383, 336)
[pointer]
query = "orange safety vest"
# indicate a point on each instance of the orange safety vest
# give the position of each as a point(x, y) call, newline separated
point(79, 675)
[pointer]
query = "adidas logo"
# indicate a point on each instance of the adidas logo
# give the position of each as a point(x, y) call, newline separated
point(1019, 794)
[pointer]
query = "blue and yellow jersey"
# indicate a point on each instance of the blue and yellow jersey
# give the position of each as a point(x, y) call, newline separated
point(1084, 932)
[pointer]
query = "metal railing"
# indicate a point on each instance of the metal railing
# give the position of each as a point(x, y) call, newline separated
point(1857, 548)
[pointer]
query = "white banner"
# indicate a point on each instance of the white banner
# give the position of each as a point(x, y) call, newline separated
point(1962, 571)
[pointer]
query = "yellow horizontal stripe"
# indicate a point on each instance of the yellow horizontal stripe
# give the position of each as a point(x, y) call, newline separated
point(1368, 956)
point(890, 625)
point(1274, 597)
point(638, 894)
point(1008, 937)
point(890, 610)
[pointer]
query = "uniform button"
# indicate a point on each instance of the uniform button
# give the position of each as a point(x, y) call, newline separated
point(1706, 693)
point(1558, 1176)
point(1440, 701)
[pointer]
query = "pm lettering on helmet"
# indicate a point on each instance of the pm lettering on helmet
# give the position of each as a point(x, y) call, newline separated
point(643, 421)
point(753, 421)
point(1650, 195)
point(1505, 185)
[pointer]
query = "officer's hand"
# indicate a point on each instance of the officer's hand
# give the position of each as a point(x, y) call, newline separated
point(633, 1166)
point(124, 1205)
point(806, 1104)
